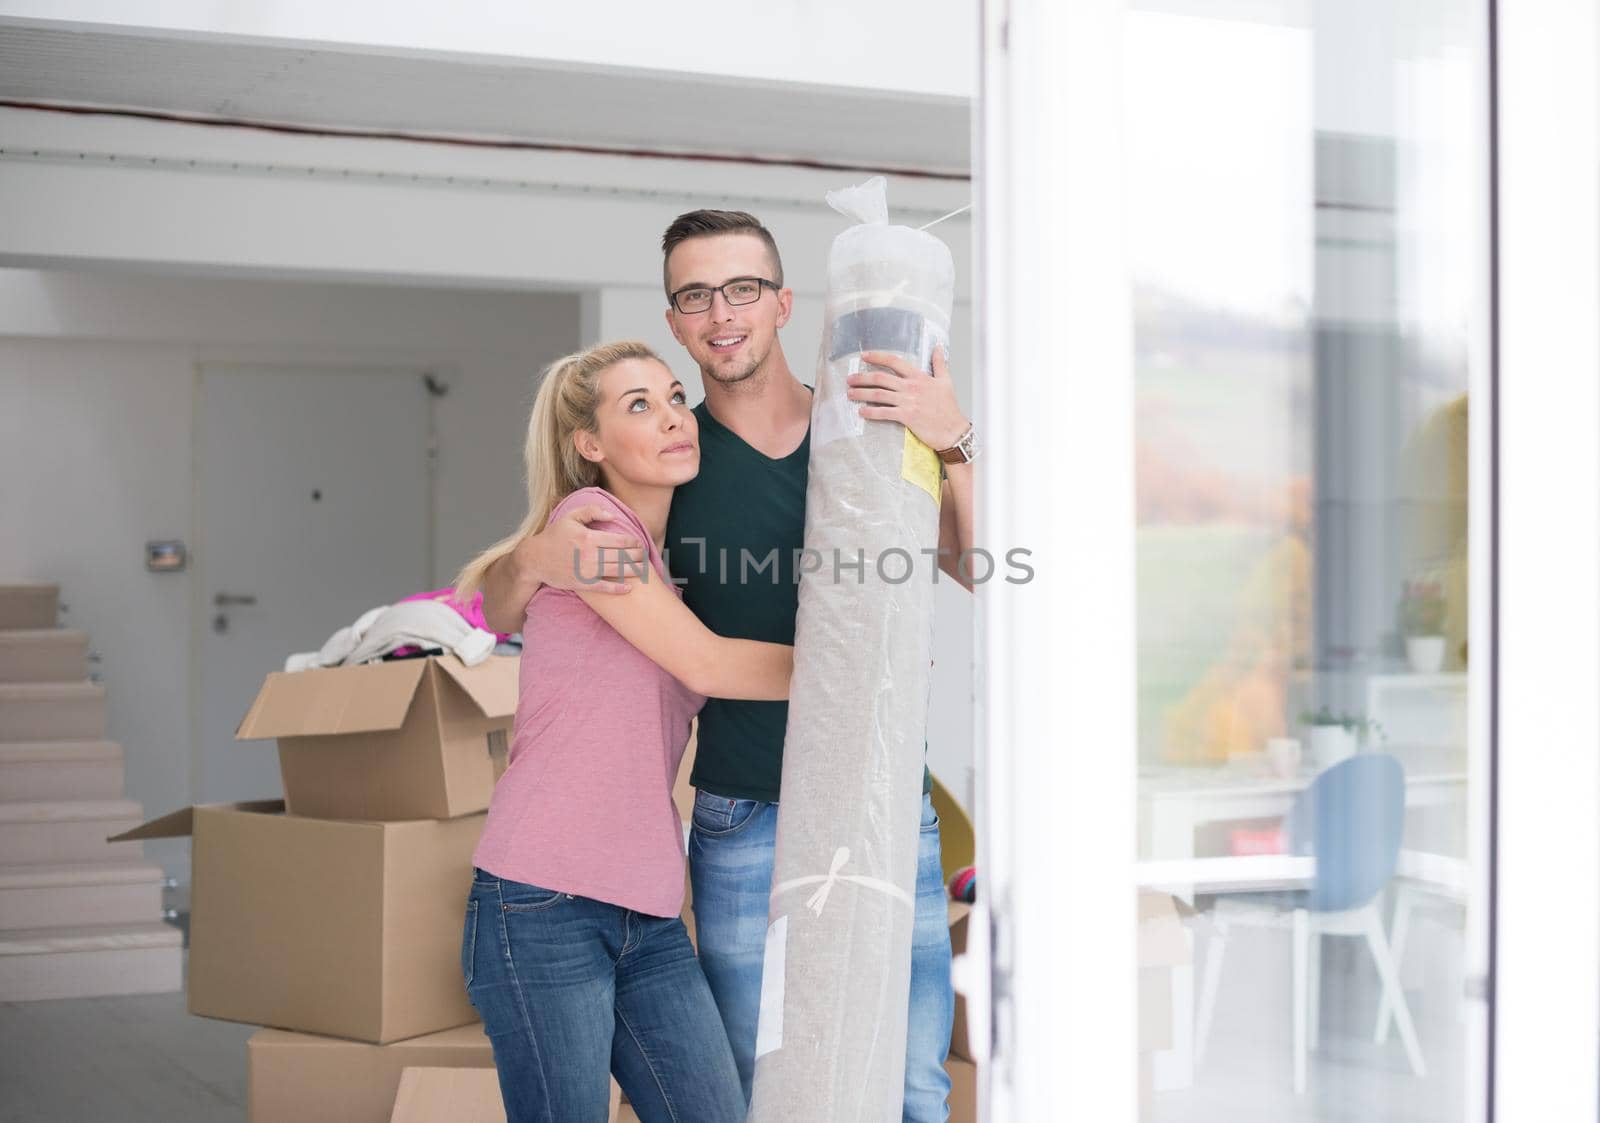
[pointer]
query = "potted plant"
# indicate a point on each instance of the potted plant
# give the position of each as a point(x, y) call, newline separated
point(1422, 612)
point(1334, 737)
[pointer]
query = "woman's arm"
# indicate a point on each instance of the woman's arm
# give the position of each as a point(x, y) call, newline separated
point(654, 620)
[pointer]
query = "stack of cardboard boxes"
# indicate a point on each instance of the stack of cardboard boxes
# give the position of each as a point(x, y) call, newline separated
point(334, 916)
point(78, 916)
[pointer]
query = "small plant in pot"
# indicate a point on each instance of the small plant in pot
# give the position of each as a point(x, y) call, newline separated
point(1334, 737)
point(1422, 613)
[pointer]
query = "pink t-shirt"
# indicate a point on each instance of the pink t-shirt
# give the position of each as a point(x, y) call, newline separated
point(585, 804)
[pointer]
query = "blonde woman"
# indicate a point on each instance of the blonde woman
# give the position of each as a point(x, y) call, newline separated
point(573, 951)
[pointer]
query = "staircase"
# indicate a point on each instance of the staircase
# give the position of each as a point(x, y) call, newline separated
point(79, 916)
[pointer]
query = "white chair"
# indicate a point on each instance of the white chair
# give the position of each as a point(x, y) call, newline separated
point(1350, 819)
point(1410, 896)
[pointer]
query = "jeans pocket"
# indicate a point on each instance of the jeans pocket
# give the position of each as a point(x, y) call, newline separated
point(717, 815)
point(516, 896)
point(469, 942)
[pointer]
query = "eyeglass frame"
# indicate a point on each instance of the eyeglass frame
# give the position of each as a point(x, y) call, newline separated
point(761, 283)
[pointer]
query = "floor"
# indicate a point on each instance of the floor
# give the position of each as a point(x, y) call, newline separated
point(1246, 1076)
point(140, 1058)
point(145, 1058)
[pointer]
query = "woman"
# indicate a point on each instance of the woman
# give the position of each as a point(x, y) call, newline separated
point(573, 952)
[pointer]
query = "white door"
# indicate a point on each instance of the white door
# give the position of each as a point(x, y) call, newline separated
point(312, 505)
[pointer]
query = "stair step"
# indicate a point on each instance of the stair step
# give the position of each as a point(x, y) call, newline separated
point(75, 832)
point(44, 655)
point(28, 606)
point(60, 770)
point(76, 895)
point(84, 961)
point(52, 711)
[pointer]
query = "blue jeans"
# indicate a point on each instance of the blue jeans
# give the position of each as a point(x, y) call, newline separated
point(730, 868)
point(572, 991)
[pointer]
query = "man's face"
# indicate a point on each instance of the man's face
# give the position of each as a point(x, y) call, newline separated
point(728, 342)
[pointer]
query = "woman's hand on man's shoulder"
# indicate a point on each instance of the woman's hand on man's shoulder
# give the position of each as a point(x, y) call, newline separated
point(573, 553)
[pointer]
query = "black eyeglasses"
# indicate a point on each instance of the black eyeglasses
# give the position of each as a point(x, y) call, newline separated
point(740, 290)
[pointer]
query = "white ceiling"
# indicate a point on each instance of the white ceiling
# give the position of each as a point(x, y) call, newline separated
point(487, 98)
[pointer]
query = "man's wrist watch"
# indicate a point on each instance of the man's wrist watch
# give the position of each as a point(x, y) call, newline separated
point(964, 451)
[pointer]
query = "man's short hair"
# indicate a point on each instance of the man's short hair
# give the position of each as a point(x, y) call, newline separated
point(703, 224)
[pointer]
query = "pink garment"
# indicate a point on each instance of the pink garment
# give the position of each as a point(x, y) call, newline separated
point(472, 612)
point(585, 805)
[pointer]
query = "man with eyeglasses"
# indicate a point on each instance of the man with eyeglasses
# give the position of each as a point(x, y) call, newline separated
point(733, 537)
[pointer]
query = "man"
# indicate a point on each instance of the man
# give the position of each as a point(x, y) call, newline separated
point(726, 302)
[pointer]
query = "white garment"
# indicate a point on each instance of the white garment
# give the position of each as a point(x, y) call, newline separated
point(408, 624)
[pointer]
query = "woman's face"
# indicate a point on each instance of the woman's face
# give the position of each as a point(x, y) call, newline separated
point(645, 433)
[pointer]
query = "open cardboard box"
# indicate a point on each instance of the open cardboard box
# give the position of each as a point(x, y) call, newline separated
point(407, 739)
point(345, 928)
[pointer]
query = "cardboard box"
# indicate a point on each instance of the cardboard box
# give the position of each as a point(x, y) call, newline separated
point(449, 1095)
point(341, 928)
point(301, 1078)
point(960, 1046)
point(467, 1095)
point(1162, 946)
point(682, 790)
point(407, 739)
point(963, 1101)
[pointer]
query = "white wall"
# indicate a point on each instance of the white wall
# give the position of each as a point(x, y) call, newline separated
point(97, 377)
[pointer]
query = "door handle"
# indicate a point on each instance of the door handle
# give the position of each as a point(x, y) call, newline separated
point(223, 600)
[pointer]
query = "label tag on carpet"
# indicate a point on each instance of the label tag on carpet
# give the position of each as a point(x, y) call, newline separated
point(769, 1029)
point(919, 465)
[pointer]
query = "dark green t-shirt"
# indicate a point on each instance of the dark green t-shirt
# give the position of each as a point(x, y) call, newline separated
point(733, 536)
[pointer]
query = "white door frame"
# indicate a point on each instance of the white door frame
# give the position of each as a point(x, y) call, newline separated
point(1547, 857)
point(1056, 665)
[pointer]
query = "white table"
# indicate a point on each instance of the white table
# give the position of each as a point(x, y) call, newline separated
point(1175, 802)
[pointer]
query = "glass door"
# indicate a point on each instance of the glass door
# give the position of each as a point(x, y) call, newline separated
point(1236, 752)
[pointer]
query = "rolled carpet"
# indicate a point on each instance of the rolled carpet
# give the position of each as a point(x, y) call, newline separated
point(832, 1038)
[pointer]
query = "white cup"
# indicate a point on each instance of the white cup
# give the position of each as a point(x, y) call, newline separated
point(1283, 754)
